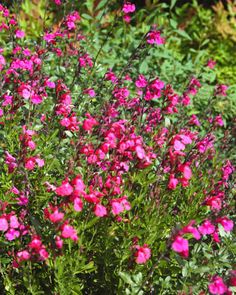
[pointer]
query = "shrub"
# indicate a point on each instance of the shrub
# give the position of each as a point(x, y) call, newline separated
point(111, 183)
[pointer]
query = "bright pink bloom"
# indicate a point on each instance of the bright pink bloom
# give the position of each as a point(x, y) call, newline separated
point(69, 232)
point(221, 90)
point(30, 164)
point(89, 123)
point(19, 34)
point(173, 182)
point(35, 243)
point(154, 37)
point(100, 210)
point(142, 254)
point(128, 7)
point(2, 62)
point(14, 222)
point(119, 205)
point(180, 245)
point(207, 228)
point(90, 92)
point(3, 224)
point(43, 253)
point(12, 234)
point(217, 286)
point(178, 145)
point(141, 82)
point(127, 18)
point(140, 152)
point(186, 170)
point(190, 229)
point(226, 223)
point(65, 189)
point(78, 204)
point(194, 121)
point(56, 216)
point(219, 121)
point(58, 242)
point(211, 63)
point(23, 255)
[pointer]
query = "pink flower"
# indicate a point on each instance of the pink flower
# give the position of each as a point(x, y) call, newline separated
point(89, 123)
point(127, 18)
point(221, 90)
point(173, 182)
point(12, 234)
point(178, 145)
point(141, 82)
point(3, 224)
point(207, 228)
point(43, 253)
point(140, 152)
point(69, 232)
point(14, 222)
point(142, 254)
point(180, 245)
point(154, 37)
point(2, 62)
point(58, 242)
point(128, 7)
point(211, 63)
point(23, 255)
point(100, 210)
point(56, 216)
point(194, 121)
point(217, 286)
point(35, 243)
point(219, 121)
point(19, 34)
point(186, 170)
point(190, 229)
point(226, 223)
point(65, 189)
point(119, 205)
point(78, 204)
point(90, 92)
point(30, 164)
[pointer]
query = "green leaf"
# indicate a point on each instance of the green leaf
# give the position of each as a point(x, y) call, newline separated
point(101, 4)
point(126, 278)
point(183, 34)
point(172, 4)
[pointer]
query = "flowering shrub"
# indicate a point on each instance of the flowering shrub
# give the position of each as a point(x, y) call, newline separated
point(111, 183)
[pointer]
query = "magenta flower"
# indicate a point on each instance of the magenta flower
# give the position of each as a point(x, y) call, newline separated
point(217, 286)
point(23, 255)
point(141, 82)
point(154, 37)
point(219, 121)
point(207, 228)
point(221, 90)
point(65, 189)
point(100, 210)
point(68, 232)
point(173, 182)
point(226, 223)
point(12, 234)
point(142, 254)
point(19, 34)
point(211, 63)
point(180, 245)
point(128, 8)
point(3, 224)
